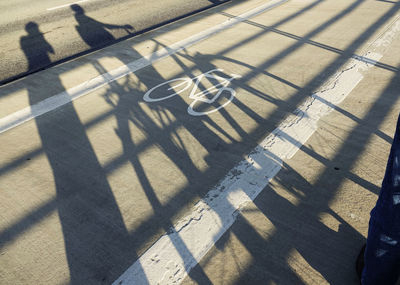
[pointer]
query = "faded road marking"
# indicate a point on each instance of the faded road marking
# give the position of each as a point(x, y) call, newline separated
point(66, 5)
point(208, 96)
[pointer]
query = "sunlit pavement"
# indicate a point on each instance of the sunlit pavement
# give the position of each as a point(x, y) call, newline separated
point(263, 126)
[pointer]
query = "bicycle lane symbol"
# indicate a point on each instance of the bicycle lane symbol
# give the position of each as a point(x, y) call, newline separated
point(208, 96)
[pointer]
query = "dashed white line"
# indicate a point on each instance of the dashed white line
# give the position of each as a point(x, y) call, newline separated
point(66, 5)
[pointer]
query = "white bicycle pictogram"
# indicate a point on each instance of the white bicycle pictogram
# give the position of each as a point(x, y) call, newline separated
point(209, 95)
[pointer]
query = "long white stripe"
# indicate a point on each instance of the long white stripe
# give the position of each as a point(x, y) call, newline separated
point(170, 259)
point(66, 5)
point(67, 96)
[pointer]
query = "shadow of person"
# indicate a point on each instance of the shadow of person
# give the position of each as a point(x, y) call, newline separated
point(93, 32)
point(36, 49)
point(95, 237)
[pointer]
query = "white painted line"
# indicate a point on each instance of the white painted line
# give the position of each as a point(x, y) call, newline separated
point(170, 259)
point(66, 5)
point(19, 117)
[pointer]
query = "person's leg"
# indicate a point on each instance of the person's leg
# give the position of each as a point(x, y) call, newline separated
point(382, 254)
point(381, 258)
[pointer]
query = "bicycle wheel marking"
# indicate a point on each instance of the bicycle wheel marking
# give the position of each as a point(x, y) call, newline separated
point(149, 99)
point(201, 99)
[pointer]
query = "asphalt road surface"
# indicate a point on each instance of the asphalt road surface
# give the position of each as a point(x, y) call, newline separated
point(72, 29)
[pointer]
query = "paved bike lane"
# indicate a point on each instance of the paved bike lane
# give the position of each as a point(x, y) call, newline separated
point(90, 186)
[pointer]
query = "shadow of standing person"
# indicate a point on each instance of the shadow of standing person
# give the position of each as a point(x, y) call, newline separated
point(93, 32)
point(36, 50)
point(96, 240)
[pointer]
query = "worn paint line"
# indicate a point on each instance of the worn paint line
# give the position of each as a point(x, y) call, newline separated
point(170, 259)
point(66, 5)
point(19, 117)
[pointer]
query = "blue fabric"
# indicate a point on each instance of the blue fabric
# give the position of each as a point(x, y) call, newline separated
point(382, 254)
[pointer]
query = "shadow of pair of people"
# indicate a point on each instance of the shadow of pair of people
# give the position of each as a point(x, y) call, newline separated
point(94, 33)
